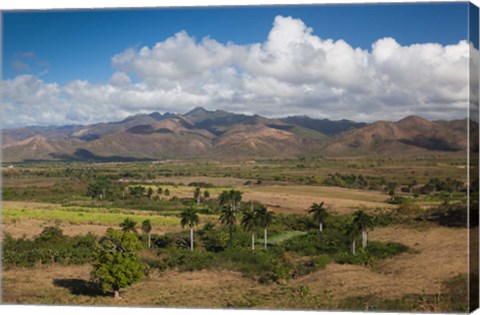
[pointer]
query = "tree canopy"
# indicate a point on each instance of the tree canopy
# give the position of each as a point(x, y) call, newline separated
point(116, 261)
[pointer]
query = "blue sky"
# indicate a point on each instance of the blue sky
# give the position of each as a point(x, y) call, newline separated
point(79, 44)
point(360, 62)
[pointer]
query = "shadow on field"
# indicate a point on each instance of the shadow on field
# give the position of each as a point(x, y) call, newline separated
point(79, 287)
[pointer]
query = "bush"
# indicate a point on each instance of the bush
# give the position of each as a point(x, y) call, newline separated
point(201, 185)
point(294, 222)
point(384, 250)
point(311, 265)
point(162, 241)
point(214, 240)
point(307, 245)
point(369, 255)
point(454, 215)
point(51, 246)
point(50, 233)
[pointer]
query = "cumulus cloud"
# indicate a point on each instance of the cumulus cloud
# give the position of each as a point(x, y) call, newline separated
point(292, 72)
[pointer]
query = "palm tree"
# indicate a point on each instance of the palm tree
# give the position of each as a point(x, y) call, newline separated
point(265, 218)
point(128, 225)
point(363, 221)
point(196, 195)
point(231, 197)
point(351, 231)
point(236, 197)
point(319, 215)
point(228, 217)
point(250, 223)
point(189, 217)
point(224, 198)
point(147, 228)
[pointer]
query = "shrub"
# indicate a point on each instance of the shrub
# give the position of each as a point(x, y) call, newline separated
point(369, 255)
point(307, 245)
point(50, 233)
point(385, 250)
point(311, 265)
point(48, 247)
point(162, 241)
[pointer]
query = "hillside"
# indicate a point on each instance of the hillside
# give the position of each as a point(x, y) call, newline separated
point(411, 135)
point(223, 135)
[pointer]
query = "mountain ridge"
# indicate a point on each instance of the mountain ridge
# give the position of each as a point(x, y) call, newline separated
point(219, 134)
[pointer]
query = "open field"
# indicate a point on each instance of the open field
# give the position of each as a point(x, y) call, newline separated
point(298, 271)
point(297, 199)
point(290, 198)
point(440, 253)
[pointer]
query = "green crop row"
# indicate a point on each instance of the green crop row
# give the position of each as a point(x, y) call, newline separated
point(88, 216)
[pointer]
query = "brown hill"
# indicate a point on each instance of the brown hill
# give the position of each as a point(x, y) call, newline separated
point(220, 134)
point(411, 135)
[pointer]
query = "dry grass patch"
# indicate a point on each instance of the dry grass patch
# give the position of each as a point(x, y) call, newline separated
point(440, 254)
point(297, 199)
point(173, 289)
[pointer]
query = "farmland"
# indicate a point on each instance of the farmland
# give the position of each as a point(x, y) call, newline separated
point(416, 256)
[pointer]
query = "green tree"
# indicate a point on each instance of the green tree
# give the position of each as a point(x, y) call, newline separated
point(128, 225)
point(166, 192)
point(363, 222)
point(196, 195)
point(250, 223)
point(147, 228)
point(412, 182)
point(228, 217)
point(136, 191)
point(99, 188)
point(117, 263)
point(93, 190)
point(189, 217)
point(265, 218)
point(351, 232)
point(150, 193)
point(230, 197)
point(206, 194)
point(319, 215)
point(391, 190)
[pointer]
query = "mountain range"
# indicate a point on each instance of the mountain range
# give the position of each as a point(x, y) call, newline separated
point(221, 135)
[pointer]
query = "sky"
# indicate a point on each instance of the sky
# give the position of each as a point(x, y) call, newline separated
point(358, 62)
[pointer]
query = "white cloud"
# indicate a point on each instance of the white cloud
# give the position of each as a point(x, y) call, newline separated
point(292, 72)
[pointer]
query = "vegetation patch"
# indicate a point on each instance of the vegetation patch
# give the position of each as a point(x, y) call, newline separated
point(453, 297)
point(50, 246)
